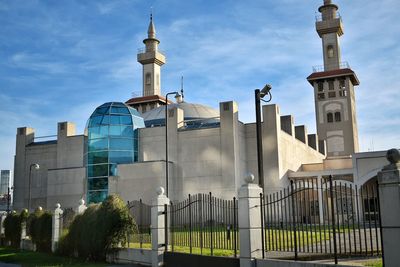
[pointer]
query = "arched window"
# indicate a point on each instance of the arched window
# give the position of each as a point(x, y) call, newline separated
point(337, 116)
point(330, 117)
point(148, 78)
point(330, 51)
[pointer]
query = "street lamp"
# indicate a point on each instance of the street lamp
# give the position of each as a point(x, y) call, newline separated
point(259, 94)
point(166, 137)
point(36, 167)
point(9, 198)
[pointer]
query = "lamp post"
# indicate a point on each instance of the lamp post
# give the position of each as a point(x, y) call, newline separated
point(166, 139)
point(259, 94)
point(37, 167)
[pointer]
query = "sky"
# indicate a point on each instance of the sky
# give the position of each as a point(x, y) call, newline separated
point(59, 60)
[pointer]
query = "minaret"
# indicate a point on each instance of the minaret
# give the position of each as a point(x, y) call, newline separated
point(152, 60)
point(333, 84)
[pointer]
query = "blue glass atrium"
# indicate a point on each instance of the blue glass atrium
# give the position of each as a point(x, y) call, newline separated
point(112, 139)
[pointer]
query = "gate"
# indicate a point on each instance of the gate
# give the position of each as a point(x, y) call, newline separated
point(141, 213)
point(202, 226)
point(326, 217)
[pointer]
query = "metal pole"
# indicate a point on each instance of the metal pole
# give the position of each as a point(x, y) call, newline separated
point(380, 222)
point(333, 219)
point(259, 139)
point(8, 200)
point(166, 144)
point(294, 221)
point(29, 187)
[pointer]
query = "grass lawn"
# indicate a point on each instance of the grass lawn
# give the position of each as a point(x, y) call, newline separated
point(29, 258)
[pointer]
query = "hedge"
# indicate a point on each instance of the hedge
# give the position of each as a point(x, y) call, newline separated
point(99, 230)
point(39, 227)
point(13, 228)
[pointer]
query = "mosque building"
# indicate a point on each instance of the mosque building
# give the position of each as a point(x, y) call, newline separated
point(128, 150)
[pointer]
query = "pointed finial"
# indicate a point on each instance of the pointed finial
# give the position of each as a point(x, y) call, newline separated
point(151, 32)
point(151, 13)
point(182, 87)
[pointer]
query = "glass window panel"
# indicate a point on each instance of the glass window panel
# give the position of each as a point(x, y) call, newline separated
point(98, 157)
point(123, 110)
point(97, 196)
point(94, 132)
point(94, 121)
point(127, 131)
point(97, 144)
point(102, 110)
point(103, 131)
point(115, 130)
point(121, 144)
point(126, 120)
point(98, 183)
point(114, 119)
point(121, 157)
point(97, 170)
point(105, 120)
point(113, 170)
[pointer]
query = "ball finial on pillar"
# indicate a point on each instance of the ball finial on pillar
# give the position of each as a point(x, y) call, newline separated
point(160, 191)
point(249, 179)
point(393, 155)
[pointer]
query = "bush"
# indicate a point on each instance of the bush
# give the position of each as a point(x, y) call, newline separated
point(13, 228)
point(40, 226)
point(99, 230)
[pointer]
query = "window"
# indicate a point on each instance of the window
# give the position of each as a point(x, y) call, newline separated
point(148, 78)
point(331, 85)
point(321, 96)
point(337, 117)
point(342, 84)
point(343, 93)
point(330, 117)
point(332, 94)
point(320, 86)
point(143, 109)
point(331, 51)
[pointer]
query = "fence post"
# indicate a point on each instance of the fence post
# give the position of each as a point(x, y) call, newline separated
point(2, 218)
point(56, 227)
point(333, 219)
point(389, 206)
point(158, 228)
point(249, 222)
point(294, 220)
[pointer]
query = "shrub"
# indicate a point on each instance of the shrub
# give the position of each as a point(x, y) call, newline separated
point(99, 230)
point(13, 228)
point(40, 225)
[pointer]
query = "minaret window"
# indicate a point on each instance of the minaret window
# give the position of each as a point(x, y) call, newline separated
point(148, 78)
point(331, 85)
point(337, 117)
point(321, 96)
point(342, 84)
point(320, 86)
point(330, 117)
point(330, 51)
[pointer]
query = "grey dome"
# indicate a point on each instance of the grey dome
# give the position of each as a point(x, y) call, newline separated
point(195, 112)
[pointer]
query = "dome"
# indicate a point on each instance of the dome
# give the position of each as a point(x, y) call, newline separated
point(113, 139)
point(194, 114)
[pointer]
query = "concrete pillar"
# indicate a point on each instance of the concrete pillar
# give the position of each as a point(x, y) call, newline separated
point(158, 245)
point(322, 147)
point(2, 218)
point(313, 141)
point(389, 193)
point(82, 207)
point(56, 227)
point(287, 124)
point(249, 222)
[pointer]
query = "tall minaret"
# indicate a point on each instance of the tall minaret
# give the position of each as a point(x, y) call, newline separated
point(333, 84)
point(152, 60)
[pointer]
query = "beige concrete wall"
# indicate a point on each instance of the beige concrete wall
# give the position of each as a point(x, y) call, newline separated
point(367, 165)
point(66, 186)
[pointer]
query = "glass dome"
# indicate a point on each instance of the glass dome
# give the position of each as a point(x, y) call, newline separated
point(112, 132)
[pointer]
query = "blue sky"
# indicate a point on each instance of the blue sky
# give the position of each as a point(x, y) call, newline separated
point(61, 59)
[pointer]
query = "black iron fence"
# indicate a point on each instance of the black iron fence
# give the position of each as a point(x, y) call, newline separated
point(322, 216)
point(141, 213)
point(203, 224)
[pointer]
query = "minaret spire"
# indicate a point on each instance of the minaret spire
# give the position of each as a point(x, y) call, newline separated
point(152, 60)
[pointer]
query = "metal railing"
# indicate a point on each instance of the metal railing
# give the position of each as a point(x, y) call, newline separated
point(318, 18)
point(333, 218)
point(141, 213)
point(322, 68)
point(203, 224)
point(143, 50)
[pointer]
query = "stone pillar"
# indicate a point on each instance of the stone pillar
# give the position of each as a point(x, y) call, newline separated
point(249, 222)
point(2, 218)
point(389, 193)
point(82, 207)
point(158, 245)
point(56, 227)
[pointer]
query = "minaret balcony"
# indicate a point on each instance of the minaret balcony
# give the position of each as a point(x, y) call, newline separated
point(149, 57)
point(322, 68)
point(329, 25)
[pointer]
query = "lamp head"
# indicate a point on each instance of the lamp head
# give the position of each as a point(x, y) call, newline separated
point(36, 166)
point(265, 90)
